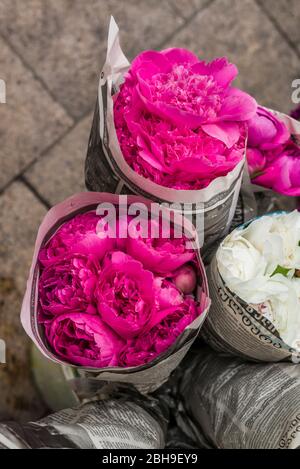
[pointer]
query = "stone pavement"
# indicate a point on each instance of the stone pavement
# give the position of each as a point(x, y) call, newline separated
point(51, 52)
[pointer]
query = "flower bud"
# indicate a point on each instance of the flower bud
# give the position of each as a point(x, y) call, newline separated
point(185, 279)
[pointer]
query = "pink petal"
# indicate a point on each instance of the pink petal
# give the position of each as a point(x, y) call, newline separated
point(152, 57)
point(282, 176)
point(166, 111)
point(178, 55)
point(222, 71)
point(166, 293)
point(256, 160)
point(237, 106)
point(227, 132)
point(148, 156)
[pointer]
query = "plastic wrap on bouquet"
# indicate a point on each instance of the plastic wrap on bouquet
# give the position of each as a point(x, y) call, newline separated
point(236, 328)
point(127, 421)
point(240, 405)
point(107, 170)
point(87, 381)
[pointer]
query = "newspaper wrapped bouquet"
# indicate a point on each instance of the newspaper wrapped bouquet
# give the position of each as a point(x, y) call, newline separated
point(172, 128)
point(255, 286)
point(108, 291)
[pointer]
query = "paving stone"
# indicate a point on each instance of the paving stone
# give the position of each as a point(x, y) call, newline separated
point(60, 173)
point(143, 24)
point(287, 15)
point(65, 40)
point(29, 121)
point(239, 30)
point(20, 215)
point(186, 8)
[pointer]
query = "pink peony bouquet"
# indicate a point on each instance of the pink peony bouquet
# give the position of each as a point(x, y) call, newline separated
point(179, 120)
point(172, 128)
point(114, 302)
point(273, 154)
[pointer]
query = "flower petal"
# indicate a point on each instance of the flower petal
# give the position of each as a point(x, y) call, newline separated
point(178, 55)
point(227, 132)
point(237, 106)
point(222, 71)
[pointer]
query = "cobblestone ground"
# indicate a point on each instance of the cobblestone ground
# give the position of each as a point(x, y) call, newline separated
point(51, 52)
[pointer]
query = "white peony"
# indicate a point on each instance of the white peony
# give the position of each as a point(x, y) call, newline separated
point(260, 263)
point(277, 238)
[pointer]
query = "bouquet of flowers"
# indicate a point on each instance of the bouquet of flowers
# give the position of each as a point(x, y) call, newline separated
point(111, 296)
point(255, 286)
point(172, 128)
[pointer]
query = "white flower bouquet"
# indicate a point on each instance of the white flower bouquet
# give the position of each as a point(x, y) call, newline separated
point(255, 286)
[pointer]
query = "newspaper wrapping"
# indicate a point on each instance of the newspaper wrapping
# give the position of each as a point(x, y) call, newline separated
point(53, 381)
point(237, 328)
point(87, 381)
point(246, 207)
point(181, 431)
point(128, 422)
point(107, 170)
point(239, 405)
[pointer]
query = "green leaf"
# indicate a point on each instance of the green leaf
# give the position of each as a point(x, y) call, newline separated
point(281, 270)
point(255, 174)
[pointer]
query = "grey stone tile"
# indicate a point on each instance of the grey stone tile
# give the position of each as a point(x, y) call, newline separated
point(287, 15)
point(238, 29)
point(65, 40)
point(186, 8)
point(20, 215)
point(144, 24)
point(29, 121)
point(60, 173)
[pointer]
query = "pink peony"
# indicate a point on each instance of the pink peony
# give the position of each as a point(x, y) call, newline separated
point(125, 294)
point(281, 172)
point(78, 235)
point(159, 254)
point(178, 120)
point(83, 339)
point(162, 333)
point(266, 131)
point(167, 153)
point(67, 286)
point(176, 157)
point(173, 84)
